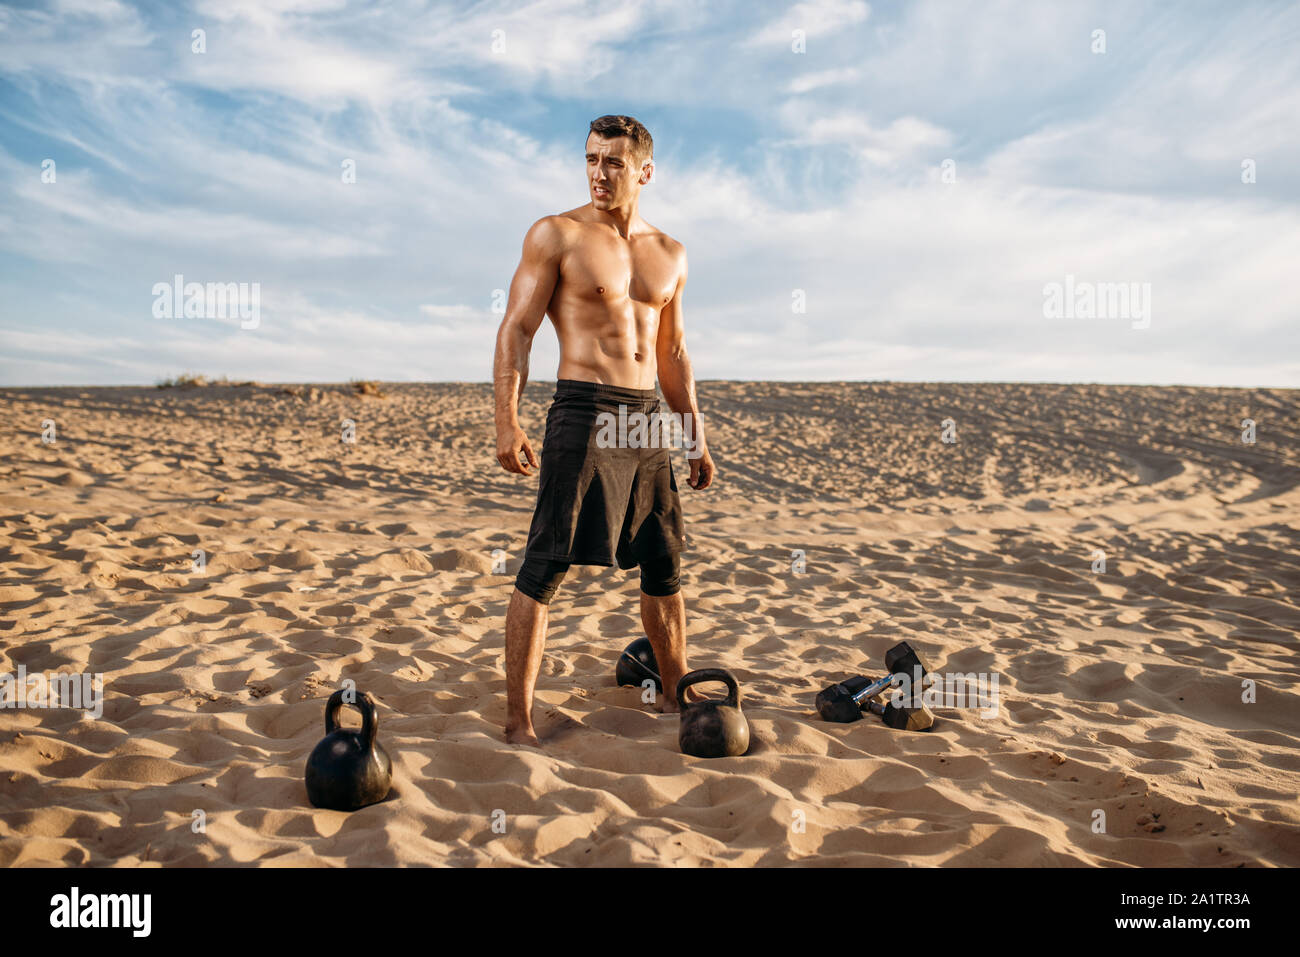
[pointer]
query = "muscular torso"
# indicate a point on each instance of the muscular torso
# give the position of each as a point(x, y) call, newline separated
point(607, 302)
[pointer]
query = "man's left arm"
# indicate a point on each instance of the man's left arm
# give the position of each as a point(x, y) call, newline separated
point(678, 383)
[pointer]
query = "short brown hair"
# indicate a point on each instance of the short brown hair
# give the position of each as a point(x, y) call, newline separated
point(608, 127)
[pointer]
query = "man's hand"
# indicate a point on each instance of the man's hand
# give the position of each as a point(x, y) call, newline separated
point(702, 470)
point(510, 442)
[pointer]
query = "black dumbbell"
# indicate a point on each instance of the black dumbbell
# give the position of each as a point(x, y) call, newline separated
point(843, 702)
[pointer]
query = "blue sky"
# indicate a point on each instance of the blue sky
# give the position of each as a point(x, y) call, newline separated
point(820, 171)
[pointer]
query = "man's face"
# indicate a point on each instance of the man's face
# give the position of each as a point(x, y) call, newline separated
point(613, 176)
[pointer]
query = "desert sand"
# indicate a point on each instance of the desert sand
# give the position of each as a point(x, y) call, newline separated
point(1121, 691)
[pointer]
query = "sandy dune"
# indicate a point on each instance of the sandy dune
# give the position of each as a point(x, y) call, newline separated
point(1121, 691)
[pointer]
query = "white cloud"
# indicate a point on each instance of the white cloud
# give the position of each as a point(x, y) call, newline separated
point(814, 17)
point(807, 82)
point(1115, 168)
point(905, 138)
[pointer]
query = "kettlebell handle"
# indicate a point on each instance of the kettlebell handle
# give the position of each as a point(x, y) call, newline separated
point(364, 703)
point(709, 674)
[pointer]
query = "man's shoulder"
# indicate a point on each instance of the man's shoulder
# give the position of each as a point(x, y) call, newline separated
point(665, 242)
point(567, 221)
point(562, 228)
point(550, 234)
point(554, 223)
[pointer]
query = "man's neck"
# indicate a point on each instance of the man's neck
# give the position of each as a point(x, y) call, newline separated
point(620, 218)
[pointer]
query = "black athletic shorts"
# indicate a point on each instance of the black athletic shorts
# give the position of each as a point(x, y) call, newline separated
point(600, 505)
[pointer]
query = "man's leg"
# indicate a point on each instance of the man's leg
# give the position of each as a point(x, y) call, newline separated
point(663, 616)
point(526, 620)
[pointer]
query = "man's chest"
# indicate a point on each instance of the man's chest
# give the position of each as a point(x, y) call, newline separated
point(601, 269)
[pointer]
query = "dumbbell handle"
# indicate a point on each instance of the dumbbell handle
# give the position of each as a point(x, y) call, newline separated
point(873, 689)
point(884, 683)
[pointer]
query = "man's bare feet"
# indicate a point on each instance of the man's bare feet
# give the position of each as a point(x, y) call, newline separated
point(667, 704)
point(522, 735)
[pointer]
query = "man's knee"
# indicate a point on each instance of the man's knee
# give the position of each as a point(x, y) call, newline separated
point(660, 576)
point(539, 578)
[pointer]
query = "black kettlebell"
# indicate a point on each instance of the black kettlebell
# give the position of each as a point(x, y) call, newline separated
point(349, 769)
point(637, 663)
point(713, 728)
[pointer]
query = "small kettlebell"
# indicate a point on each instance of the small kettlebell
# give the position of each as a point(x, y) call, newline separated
point(713, 728)
point(349, 769)
point(637, 664)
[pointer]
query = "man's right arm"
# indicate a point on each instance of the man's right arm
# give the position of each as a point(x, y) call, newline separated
point(530, 293)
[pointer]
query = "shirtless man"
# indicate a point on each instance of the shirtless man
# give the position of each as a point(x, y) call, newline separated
point(612, 285)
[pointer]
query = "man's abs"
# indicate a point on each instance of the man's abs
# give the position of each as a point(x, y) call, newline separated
point(588, 357)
